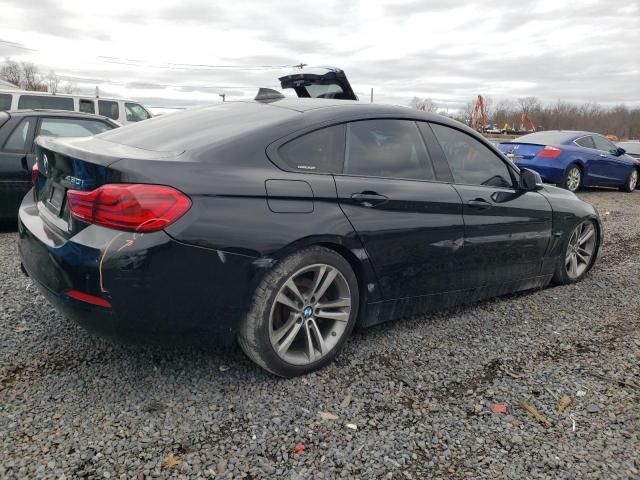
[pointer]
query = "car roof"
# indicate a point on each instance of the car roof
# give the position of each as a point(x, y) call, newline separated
point(42, 112)
point(202, 128)
point(552, 137)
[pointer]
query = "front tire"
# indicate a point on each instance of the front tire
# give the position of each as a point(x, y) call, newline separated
point(579, 253)
point(572, 179)
point(631, 182)
point(302, 313)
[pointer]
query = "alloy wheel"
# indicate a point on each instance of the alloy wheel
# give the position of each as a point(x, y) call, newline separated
point(580, 249)
point(573, 179)
point(310, 314)
point(633, 180)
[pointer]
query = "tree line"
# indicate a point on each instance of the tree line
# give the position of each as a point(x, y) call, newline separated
point(27, 76)
point(620, 120)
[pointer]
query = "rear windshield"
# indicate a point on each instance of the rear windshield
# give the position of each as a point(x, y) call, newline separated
point(545, 138)
point(195, 128)
point(28, 102)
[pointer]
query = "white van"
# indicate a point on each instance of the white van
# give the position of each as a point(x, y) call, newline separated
point(121, 110)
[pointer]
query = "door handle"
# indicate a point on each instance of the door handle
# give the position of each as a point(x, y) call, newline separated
point(23, 161)
point(479, 204)
point(369, 199)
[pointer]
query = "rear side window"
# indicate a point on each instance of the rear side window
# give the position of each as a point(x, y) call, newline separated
point(17, 141)
point(108, 109)
point(471, 162)
point(28, 102)
point(603, 144)
point(321, 151)
point(586, 142)
point(71, 127)
point(5, 101)
point(387, 148)
point(135, 112)
point(87, 106)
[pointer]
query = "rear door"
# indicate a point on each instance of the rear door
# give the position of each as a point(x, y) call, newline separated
point(507, 230)
point(16, 137)
point(410, 224)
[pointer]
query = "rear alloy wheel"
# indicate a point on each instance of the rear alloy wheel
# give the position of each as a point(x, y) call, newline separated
point(632, 181)
point(579, 254)
point(302, 314)
point(573, 178)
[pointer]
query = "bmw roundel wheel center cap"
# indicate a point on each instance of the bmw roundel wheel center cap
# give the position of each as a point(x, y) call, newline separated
point(307, 312)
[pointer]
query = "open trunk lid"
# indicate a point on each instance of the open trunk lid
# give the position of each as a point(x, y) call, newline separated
point(320, 83)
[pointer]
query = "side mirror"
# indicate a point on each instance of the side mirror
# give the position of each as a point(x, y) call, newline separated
point(530, 181)
point(619, 151)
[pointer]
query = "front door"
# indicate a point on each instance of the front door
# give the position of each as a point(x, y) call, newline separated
point(507, 230)
point(410, 224)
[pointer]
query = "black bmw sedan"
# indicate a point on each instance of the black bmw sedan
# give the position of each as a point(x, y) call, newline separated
point(284, 222)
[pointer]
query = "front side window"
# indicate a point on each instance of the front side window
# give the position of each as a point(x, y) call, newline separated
point(586, 142)
point(387, 148)
point(17, 141)
point(108, 109)
point(135, 112)
point(603, 144)
point(71, 127)
point(5, 101)
point(87, 106)
point(471, 162)
point(28, 102)
point(321, 151)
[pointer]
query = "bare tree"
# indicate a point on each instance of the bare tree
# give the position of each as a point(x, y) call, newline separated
point(31, 78)
point(529, 104)
point(69, 87)
point(11, 72)
point(54, 82)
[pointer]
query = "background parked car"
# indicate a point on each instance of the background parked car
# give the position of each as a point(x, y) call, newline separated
point(17, 133)
point(122, 110)
point(632, 147)
point(574, 159)
point(282, 223)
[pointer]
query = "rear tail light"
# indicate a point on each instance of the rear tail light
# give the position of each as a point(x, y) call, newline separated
point(129, 207)
point(35, 171)
point(549, 152)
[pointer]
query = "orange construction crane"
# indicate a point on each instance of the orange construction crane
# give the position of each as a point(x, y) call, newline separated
point(478, 109)
point(525, 119)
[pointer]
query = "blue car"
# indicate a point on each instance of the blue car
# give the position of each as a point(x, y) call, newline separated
point(574, 159)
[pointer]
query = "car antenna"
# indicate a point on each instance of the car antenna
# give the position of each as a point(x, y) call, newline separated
point(265, 94)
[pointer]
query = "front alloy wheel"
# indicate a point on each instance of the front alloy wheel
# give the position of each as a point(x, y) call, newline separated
point(580, 250)
point(632, 181)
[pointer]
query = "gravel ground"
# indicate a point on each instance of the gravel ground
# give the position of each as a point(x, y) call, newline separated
point(410, 399)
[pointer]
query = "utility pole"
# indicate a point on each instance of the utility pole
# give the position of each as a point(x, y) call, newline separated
point(223, 95)
point(97, 92)
point(371, 94)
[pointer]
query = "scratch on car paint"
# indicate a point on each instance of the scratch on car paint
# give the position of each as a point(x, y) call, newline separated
point(104, 254)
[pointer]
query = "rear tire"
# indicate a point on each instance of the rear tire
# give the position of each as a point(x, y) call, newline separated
point(572, 178)
point(302, 313)
point(631, 183)
point(578, 254)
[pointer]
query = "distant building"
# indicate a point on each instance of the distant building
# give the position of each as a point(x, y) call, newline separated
point(4, 85)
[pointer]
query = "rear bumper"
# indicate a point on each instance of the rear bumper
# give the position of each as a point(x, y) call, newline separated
point(549, 169)
point(159, 289)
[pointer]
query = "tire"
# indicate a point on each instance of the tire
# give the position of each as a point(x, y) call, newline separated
point(631, 182)
point(577, 243)
point(287, 337)
point(572, 178)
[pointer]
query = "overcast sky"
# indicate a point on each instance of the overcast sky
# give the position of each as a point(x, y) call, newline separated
point(168, 52)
